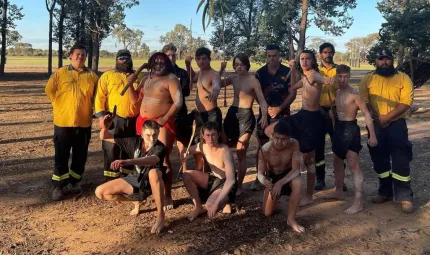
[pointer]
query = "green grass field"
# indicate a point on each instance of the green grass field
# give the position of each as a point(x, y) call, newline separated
point(40, 63)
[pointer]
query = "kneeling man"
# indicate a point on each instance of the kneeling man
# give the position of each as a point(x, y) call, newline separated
point(279, 171)
point(217, 188)
point(147, 154)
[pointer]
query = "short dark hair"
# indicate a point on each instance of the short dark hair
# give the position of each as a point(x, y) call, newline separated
point(326, 45)
point(343, 69)
point(314, 61)
point(283, 128)
point(151, 62)
point(244, 59)
point(150, 124)
point(209, 126)
point(203, 51)
point(168, 47)
point(273, 47)
point(78, 47)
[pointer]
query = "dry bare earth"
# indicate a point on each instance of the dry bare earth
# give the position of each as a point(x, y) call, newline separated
point(30, 223)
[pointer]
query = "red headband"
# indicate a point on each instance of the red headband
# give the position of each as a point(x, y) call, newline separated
point(160, 57)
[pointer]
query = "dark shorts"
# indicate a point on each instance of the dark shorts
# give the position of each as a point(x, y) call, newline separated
point(184, 127)
point(238, 122)
point(201, 118)
point(141, 186)
point(215, 183)
point(346, 137)
point(307, 128)
point(274, 178)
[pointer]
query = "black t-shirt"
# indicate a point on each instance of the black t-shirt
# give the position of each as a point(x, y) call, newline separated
point(274, 87)
point(133, 147)
point(184, 81)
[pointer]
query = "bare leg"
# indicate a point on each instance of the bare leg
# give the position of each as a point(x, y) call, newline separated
point(293, 204)
point(181, 150)
point(199, 162)
point(241, 147)
point(213, 197)
point(339, 174)
point(193, 179)
point(357, 175)
point(309, 159)
point(269, 203)
point(270, 129)
point(157, 187)
point(136, 209)
point(167, 138)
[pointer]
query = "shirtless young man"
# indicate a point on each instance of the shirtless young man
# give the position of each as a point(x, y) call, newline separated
point(347, 137)
point(161, 99)
point(239, 123)
point(279, 171)
point(217, 188)
point(308, 123)
point(208, 87)
point(147, 154)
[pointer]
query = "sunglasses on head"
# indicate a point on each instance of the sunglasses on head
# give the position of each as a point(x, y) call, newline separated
point(123, 58)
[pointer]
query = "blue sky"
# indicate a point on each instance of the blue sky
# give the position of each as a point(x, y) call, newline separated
point(156, 17)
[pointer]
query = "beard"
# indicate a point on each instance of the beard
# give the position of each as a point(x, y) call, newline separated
point(125, 67)
point(328, 60)
point(386, 71)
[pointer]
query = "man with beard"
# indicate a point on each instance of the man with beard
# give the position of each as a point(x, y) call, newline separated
point(183, 126)
point(208, 87)
point(308, 122)
point(146, 154)
point(389, 94)
point(161, 97)
point(107, 98)
point(239, 123)
point(274, 84)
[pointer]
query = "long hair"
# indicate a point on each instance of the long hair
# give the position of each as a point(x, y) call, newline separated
point(314, 61)
point(151, 62)
point(244, 59)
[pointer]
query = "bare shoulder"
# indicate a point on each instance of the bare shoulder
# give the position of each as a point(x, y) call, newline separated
point(253, 80)
point(215, 74)
point(296, 145)
point(266, 146)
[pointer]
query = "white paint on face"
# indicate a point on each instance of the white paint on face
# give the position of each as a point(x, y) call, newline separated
point(150, 136)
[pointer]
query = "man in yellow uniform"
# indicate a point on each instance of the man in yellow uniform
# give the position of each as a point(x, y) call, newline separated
point(71, 91)
point(389, 94)
point(108, 96)
point(327, 69)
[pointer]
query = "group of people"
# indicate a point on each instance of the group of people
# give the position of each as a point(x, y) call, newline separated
point(139, 128)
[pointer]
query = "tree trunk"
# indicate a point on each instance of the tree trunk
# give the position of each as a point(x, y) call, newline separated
point(60, 34)
point(96, 40)
point(50, 45)
point(401, 54)
point(3, 37)
point(81, 28)
point(303, 22)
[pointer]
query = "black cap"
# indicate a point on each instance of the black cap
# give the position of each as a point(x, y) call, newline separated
point(123, 52)
point(384, 53)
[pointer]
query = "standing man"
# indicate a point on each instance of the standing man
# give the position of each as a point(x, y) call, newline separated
point(327, 68)
point(274, 84)
point(161, 98)
point(389, 94)
point(108, 96)
point(182, 125)
point(71, 91)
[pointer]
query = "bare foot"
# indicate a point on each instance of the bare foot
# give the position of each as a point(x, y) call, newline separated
point(168, 203)
point(158, 226)
point(136, 209)
point(227, 209)
point(295, 226)
point(239, 192)
point(357, 206)
point(306, 201)
point(338, 195)
point(195, 213)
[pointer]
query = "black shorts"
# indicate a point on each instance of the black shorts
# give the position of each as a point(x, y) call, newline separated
point(215, 183)
point(346, 137)
point(141, 186)
point(274, 178)
point(260, 131)
point(201, 118)
point(184, 127)
point(238, 122)
point(307, 128)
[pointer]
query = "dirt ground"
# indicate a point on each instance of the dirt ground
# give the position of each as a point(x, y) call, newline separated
point(30, 223)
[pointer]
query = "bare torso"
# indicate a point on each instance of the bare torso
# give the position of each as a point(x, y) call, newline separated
point(156, 99)
point(311, 92)
point(215, 159)
point(244, 93)
point(346, 107)
point(204, 88)
point(278, 161)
